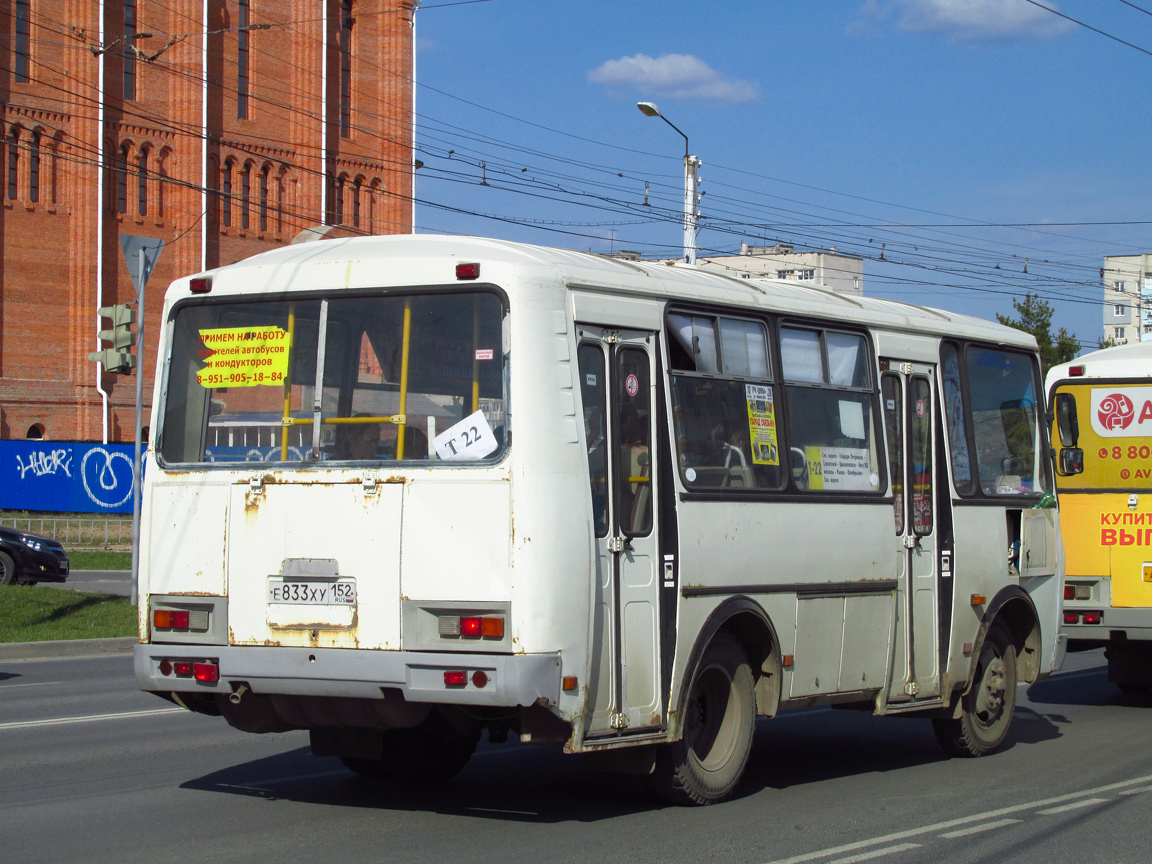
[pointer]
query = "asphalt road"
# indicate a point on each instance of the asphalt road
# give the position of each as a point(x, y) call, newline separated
point(93, 770)
point(102, 581)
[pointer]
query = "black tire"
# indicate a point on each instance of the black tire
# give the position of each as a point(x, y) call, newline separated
point(416, 755)
point(706, 764)
point(986, 709)
point(7, 569)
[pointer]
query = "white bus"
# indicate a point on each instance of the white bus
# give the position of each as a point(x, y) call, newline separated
point(1102, 429)
point(407, 490)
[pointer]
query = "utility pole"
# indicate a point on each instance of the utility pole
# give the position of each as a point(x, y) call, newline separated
point(691, 181)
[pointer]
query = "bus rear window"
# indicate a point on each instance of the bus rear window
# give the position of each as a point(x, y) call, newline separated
point(363, 378)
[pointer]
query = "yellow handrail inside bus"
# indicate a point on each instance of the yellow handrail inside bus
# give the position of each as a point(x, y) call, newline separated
point(475, 359)
point(285, 422)
point(404, 377)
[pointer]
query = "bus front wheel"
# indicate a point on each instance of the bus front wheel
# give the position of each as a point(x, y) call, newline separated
point(986, 709)
point(706, 764)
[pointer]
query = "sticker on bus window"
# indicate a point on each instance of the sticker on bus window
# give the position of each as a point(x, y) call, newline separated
point(762, 424)
point(243, 357)
point(471, 438)
point(841, 469)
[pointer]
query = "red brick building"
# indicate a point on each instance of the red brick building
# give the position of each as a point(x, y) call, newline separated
point(224, 127)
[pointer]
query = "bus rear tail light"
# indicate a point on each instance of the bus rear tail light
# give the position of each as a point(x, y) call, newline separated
point(472, 626)
point(1075, 371)
point(455, 678)
point(467, 272)
point(170, 619)
point(1093, 617)
point(207, 672)
point(180, 619)
point(1071, 617)
point(200, 285)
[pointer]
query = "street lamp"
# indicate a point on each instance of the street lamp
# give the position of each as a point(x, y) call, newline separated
point(691, 163)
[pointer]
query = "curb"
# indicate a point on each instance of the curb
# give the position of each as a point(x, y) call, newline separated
point(67, 648)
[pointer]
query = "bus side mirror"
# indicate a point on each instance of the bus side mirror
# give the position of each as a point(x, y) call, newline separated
point(1071, 461)
point(1066, 422)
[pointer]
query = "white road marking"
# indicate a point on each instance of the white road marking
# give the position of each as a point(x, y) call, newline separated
point(1088, 802)
point(1137, 791)
point(876, 853)
point(33, 684)
point(963, 820)
point(60, 721)
point(295, 778)
point(964, 832)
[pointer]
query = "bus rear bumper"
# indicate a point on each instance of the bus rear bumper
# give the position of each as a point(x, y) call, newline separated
point(489, 679)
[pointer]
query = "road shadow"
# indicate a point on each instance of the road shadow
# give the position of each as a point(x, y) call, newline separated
point(4, 676)
point(510, 783)
point(517, 783)
point(1089, 687)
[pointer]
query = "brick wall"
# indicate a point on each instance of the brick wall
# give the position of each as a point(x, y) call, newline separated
point(219, 158)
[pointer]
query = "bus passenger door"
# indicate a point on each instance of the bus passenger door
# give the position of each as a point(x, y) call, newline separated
point(616, 380)
point(908, 394)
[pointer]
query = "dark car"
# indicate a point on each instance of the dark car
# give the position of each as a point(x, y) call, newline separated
point(28, 559)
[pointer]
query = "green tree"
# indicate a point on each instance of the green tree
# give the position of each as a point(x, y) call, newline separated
point(1035, 317)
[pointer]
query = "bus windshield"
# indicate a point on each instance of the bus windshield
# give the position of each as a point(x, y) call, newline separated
point(341, 378)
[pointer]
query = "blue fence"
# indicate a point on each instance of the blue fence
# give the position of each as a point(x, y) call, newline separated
point(65, 478)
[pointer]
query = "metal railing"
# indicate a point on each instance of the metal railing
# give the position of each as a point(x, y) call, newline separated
point(111, 534)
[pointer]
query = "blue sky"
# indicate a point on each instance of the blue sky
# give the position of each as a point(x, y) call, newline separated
point(960, 137)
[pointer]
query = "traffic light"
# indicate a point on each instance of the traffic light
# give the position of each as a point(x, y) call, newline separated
point(117, 358)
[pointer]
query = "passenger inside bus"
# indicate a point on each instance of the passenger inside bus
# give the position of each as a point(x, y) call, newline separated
point(357, 441)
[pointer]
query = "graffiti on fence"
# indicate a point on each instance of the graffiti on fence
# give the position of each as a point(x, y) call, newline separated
point(41, 462)
point(40, 476)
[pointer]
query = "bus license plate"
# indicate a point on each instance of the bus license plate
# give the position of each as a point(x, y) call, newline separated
point(312, 592)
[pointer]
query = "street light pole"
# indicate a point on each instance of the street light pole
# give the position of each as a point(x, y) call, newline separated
point(691, 164)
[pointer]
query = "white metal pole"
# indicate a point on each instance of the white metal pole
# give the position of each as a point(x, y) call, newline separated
point(691, 163)
point(136, 438)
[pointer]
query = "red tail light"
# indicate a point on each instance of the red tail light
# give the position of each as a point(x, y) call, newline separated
point(1075, 371)
point(1069, 592)
point(182, 668)
point(467, 271)
point(209, 673)
point(1071, 617)
point(470, 626)
point(1093, 617)
point(455, 678)
point(200, 286)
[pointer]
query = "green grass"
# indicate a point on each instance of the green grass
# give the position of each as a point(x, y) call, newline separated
point(36, 614)
point(99, 560)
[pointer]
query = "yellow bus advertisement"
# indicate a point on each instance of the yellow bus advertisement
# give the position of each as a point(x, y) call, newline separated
point(1108, 528)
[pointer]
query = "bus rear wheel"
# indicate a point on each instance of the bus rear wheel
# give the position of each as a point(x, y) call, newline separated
point(986, 709)
point(706, 764)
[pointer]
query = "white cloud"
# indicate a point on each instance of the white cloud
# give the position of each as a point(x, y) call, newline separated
point(967, 19)
point(674, 76)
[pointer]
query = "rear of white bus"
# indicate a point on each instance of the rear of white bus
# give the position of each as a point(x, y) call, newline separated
point(327, 518)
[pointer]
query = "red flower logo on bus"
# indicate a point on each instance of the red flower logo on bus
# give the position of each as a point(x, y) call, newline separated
point(1116, 411)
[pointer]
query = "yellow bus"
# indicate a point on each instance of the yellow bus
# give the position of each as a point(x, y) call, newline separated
point(1101, 412)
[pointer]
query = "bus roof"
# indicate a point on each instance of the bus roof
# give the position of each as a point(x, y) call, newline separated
point(1132, 360)
point(406, 259)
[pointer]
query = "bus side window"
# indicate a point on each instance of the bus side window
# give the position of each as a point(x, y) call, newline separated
point(829, 392)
